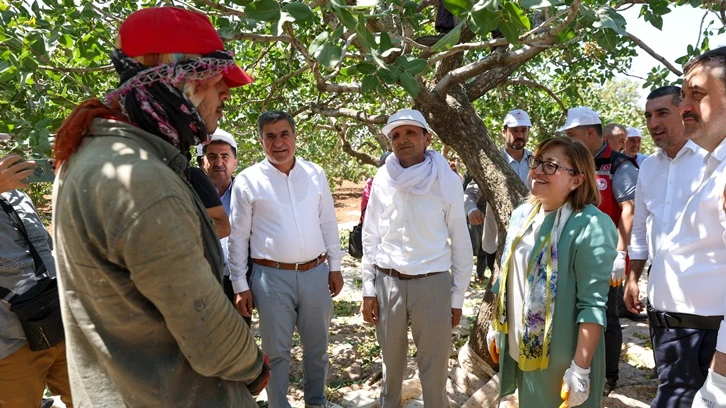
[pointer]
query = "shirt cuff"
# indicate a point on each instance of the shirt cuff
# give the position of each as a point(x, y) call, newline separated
point(457, 301)
point(637, 252)
point(240, 285)
point(721, 342)
point(369, 288)
point(334, 264)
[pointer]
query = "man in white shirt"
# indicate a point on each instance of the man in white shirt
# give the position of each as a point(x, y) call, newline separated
point(516, 134)
point(666, 182)
point(282, 208)
point(419, 234)
point(632, 145)
point(693, 255)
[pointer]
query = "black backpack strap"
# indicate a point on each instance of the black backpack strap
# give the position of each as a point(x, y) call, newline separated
point(40, 269)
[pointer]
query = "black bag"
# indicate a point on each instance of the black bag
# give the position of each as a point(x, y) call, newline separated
point(38, 309)
point(39, 313)
point(355, 242)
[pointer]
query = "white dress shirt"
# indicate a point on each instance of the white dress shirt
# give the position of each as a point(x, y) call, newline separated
point(663, 189)
point(688, 274)
point(283, 218)
point(417, 234)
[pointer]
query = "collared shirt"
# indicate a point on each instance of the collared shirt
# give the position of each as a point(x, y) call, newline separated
point(520, 167)
point(226, 198)
point(688, 272)
point(663, 189)
point(417, 234)
point(283, 218)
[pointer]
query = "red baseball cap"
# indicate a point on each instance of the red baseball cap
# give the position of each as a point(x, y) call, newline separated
point(167, 30)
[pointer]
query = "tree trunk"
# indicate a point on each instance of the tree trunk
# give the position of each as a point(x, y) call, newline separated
point(457, 124)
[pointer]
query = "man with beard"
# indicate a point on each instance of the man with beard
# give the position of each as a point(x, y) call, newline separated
point(615, 135)
point(689, 333)
point(666, 181)
point(516, 134)
point(140, 267)
point(414, 234)
point(616, 176)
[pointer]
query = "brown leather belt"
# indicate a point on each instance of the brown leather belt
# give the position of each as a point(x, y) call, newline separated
point(398, 275)
point(302, 266)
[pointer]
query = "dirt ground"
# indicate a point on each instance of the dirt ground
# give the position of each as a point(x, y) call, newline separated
point(355, 363)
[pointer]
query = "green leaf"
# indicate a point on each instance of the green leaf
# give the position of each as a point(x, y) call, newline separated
point(414, 66)
point(482, 21)
point(263, 10)
point(514, 22)
point(328, 55)
point(369, 84)
point(337, 33)
point(566, 34)
point(365, 68)
point(535, 4)
point(609, 18)
point(409, 83)
point(449, 40)
point(458, 7)
point(318, 42)
point(385, 42)
point(608, 39)
point(365, 35)
point(299, 11)
point(347, 18)
point(491, 5)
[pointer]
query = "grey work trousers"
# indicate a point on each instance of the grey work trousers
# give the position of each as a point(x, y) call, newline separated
point(287, 299)
point(427, 303)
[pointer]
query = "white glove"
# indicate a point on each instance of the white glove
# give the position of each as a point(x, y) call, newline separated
point(618, 273)
point(575, 386)
point(493, 343)
point(713, 392)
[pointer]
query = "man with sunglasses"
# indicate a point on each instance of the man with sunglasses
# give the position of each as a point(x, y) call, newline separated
point(515, 133)
point(617, 176)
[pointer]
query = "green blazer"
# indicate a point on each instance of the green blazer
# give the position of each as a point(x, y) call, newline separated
point(586, 250)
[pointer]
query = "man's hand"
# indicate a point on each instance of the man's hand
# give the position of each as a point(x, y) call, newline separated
point(369, 309)
point(631, 298)
point(455, 317)
point(13, 169)
point(244, 303)
point(493, 343)
point(335, 283)
point(618, 273)
point(475, 217)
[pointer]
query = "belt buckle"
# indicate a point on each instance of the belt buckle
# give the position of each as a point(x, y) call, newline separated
point(297, 265)
point(674, 320)
point(277, 265)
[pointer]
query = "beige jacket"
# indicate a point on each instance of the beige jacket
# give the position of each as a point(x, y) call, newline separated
point(147, 323)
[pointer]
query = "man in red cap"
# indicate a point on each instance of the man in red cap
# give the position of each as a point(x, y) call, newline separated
point(139, 262)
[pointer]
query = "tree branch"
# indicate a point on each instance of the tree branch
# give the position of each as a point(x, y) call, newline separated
point(226, 10)
point(104, 68)
point(341, 131)
point(349, 113)
point(276, 85)
point(262, 38)
point(537, 85)
point(653, 54)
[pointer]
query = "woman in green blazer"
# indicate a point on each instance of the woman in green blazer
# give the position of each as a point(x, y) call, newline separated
point(549, 319)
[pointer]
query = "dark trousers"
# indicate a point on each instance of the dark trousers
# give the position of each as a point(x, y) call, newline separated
point(613, 337)
point(230, 295)
point(484, 260)
point(683, 358)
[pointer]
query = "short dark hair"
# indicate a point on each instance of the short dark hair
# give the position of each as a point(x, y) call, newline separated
point(674, 91)
point(597, 128)
point(272, 117)
point(215, 142)
point(717, 55)
point(609, 128)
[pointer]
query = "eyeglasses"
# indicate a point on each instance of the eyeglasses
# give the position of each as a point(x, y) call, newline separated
point(548, 167)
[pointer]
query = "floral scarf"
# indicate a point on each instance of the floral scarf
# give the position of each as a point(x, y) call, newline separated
point(540, 291)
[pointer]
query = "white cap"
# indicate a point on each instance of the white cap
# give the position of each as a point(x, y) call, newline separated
point(517, 118)
point(223, 136)
point(580, 116)
point(405, 117)
point(633, 132)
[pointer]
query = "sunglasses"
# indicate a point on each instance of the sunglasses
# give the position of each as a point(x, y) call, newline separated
point(549, 168)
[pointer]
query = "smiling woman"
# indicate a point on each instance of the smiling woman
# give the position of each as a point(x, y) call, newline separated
point(555, 273)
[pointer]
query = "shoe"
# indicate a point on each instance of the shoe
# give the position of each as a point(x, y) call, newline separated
point(47, 403)
point(610, 385)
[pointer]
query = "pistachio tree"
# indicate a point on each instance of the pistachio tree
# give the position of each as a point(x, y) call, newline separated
point(342, 66)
